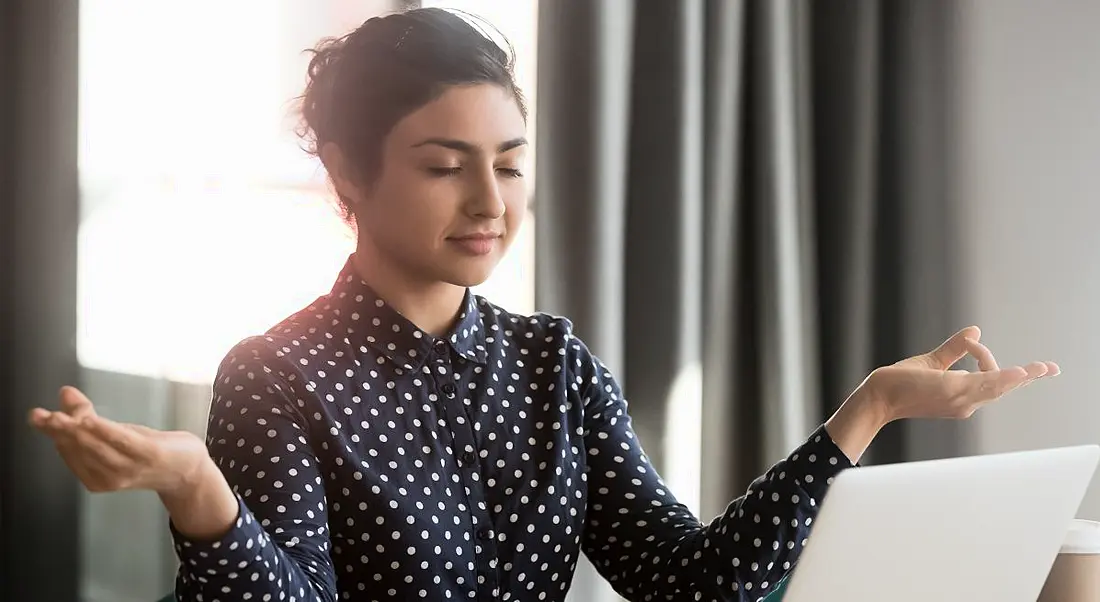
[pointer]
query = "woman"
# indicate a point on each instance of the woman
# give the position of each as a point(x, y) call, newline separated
point(401, 438)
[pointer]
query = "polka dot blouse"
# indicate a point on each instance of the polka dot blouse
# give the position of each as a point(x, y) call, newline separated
point(373, 461)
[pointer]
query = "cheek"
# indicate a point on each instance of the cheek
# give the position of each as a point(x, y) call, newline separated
point(412, 208)
point(514, 219)
point(515, 208)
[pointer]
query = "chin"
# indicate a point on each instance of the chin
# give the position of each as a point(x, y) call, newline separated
point(468, 280)
point(464, 270)
point(468, 276)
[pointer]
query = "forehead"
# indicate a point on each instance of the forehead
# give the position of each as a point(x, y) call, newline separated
point(482, 114)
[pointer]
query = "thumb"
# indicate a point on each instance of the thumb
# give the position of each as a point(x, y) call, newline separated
point(953, 349)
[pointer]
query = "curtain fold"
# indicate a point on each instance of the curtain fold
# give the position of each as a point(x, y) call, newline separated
point(742, 205)
point(723, 214)
point(846, 44)
point(662, 269)
point(778, 196)
point(590, 125)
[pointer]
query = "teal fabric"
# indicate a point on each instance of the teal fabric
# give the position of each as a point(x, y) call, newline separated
point(777, 593)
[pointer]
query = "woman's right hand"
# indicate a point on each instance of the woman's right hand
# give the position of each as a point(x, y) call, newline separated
point(111, 456)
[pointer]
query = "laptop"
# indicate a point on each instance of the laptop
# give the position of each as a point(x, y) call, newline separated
point(957, 530)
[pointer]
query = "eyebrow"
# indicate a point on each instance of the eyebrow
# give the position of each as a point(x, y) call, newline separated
point(467, 147)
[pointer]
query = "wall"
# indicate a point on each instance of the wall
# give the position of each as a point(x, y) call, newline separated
point(1029, 178)
point(125, 547)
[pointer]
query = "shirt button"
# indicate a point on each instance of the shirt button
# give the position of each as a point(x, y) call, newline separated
point(440, 346)
point(449, 390)
point(467, 458)
point(483, 533)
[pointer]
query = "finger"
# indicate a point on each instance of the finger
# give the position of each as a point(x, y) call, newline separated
point(981, 387)
point(1013, 378)
point(88, 458)
point(953, 349)
point(75, 403)
point(91, 456)
point(986, 361)
point(1035, 371)
point(58, 424)
point(1039, 370)
point(37, 417)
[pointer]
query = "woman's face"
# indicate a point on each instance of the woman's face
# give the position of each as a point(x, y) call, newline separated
point(450, 194)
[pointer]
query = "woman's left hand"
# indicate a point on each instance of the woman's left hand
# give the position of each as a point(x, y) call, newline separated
point(925, 386)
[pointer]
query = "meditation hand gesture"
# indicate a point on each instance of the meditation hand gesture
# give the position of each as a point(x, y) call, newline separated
point(110, 456)
point(924, 386)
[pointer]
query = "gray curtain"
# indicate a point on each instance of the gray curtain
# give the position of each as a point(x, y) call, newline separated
point(750, 197)
point(38, 221)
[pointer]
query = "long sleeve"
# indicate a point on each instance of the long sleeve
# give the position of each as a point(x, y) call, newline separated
point(651, 547)
point(279, 547)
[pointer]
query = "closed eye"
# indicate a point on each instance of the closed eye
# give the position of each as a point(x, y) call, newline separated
point(443, 172)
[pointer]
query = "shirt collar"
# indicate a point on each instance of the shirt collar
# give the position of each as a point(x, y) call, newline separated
point(371, 319)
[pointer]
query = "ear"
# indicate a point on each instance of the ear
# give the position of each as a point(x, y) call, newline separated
point(341, 173)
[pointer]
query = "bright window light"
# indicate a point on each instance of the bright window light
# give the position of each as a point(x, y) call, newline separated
point(203, 221)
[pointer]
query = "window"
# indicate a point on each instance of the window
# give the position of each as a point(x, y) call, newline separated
point(192, 179)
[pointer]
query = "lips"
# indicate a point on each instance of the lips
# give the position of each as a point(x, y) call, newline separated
point(476, 244)
point(477, 236)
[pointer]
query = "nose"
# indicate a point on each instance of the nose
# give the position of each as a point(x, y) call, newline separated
point(486, 200)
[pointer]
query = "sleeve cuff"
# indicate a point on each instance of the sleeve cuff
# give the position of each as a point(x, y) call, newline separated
point(816, 463)
point(235, 550)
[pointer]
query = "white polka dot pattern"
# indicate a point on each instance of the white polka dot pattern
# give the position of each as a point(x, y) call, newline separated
point(373, 461)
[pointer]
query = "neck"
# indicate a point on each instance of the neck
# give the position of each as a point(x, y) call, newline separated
point(431, 305)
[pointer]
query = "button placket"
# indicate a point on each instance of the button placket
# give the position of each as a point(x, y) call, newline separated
point(462, 430)
point(443, 372)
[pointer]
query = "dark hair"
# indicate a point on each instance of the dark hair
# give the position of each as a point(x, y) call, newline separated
point(360, 85)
